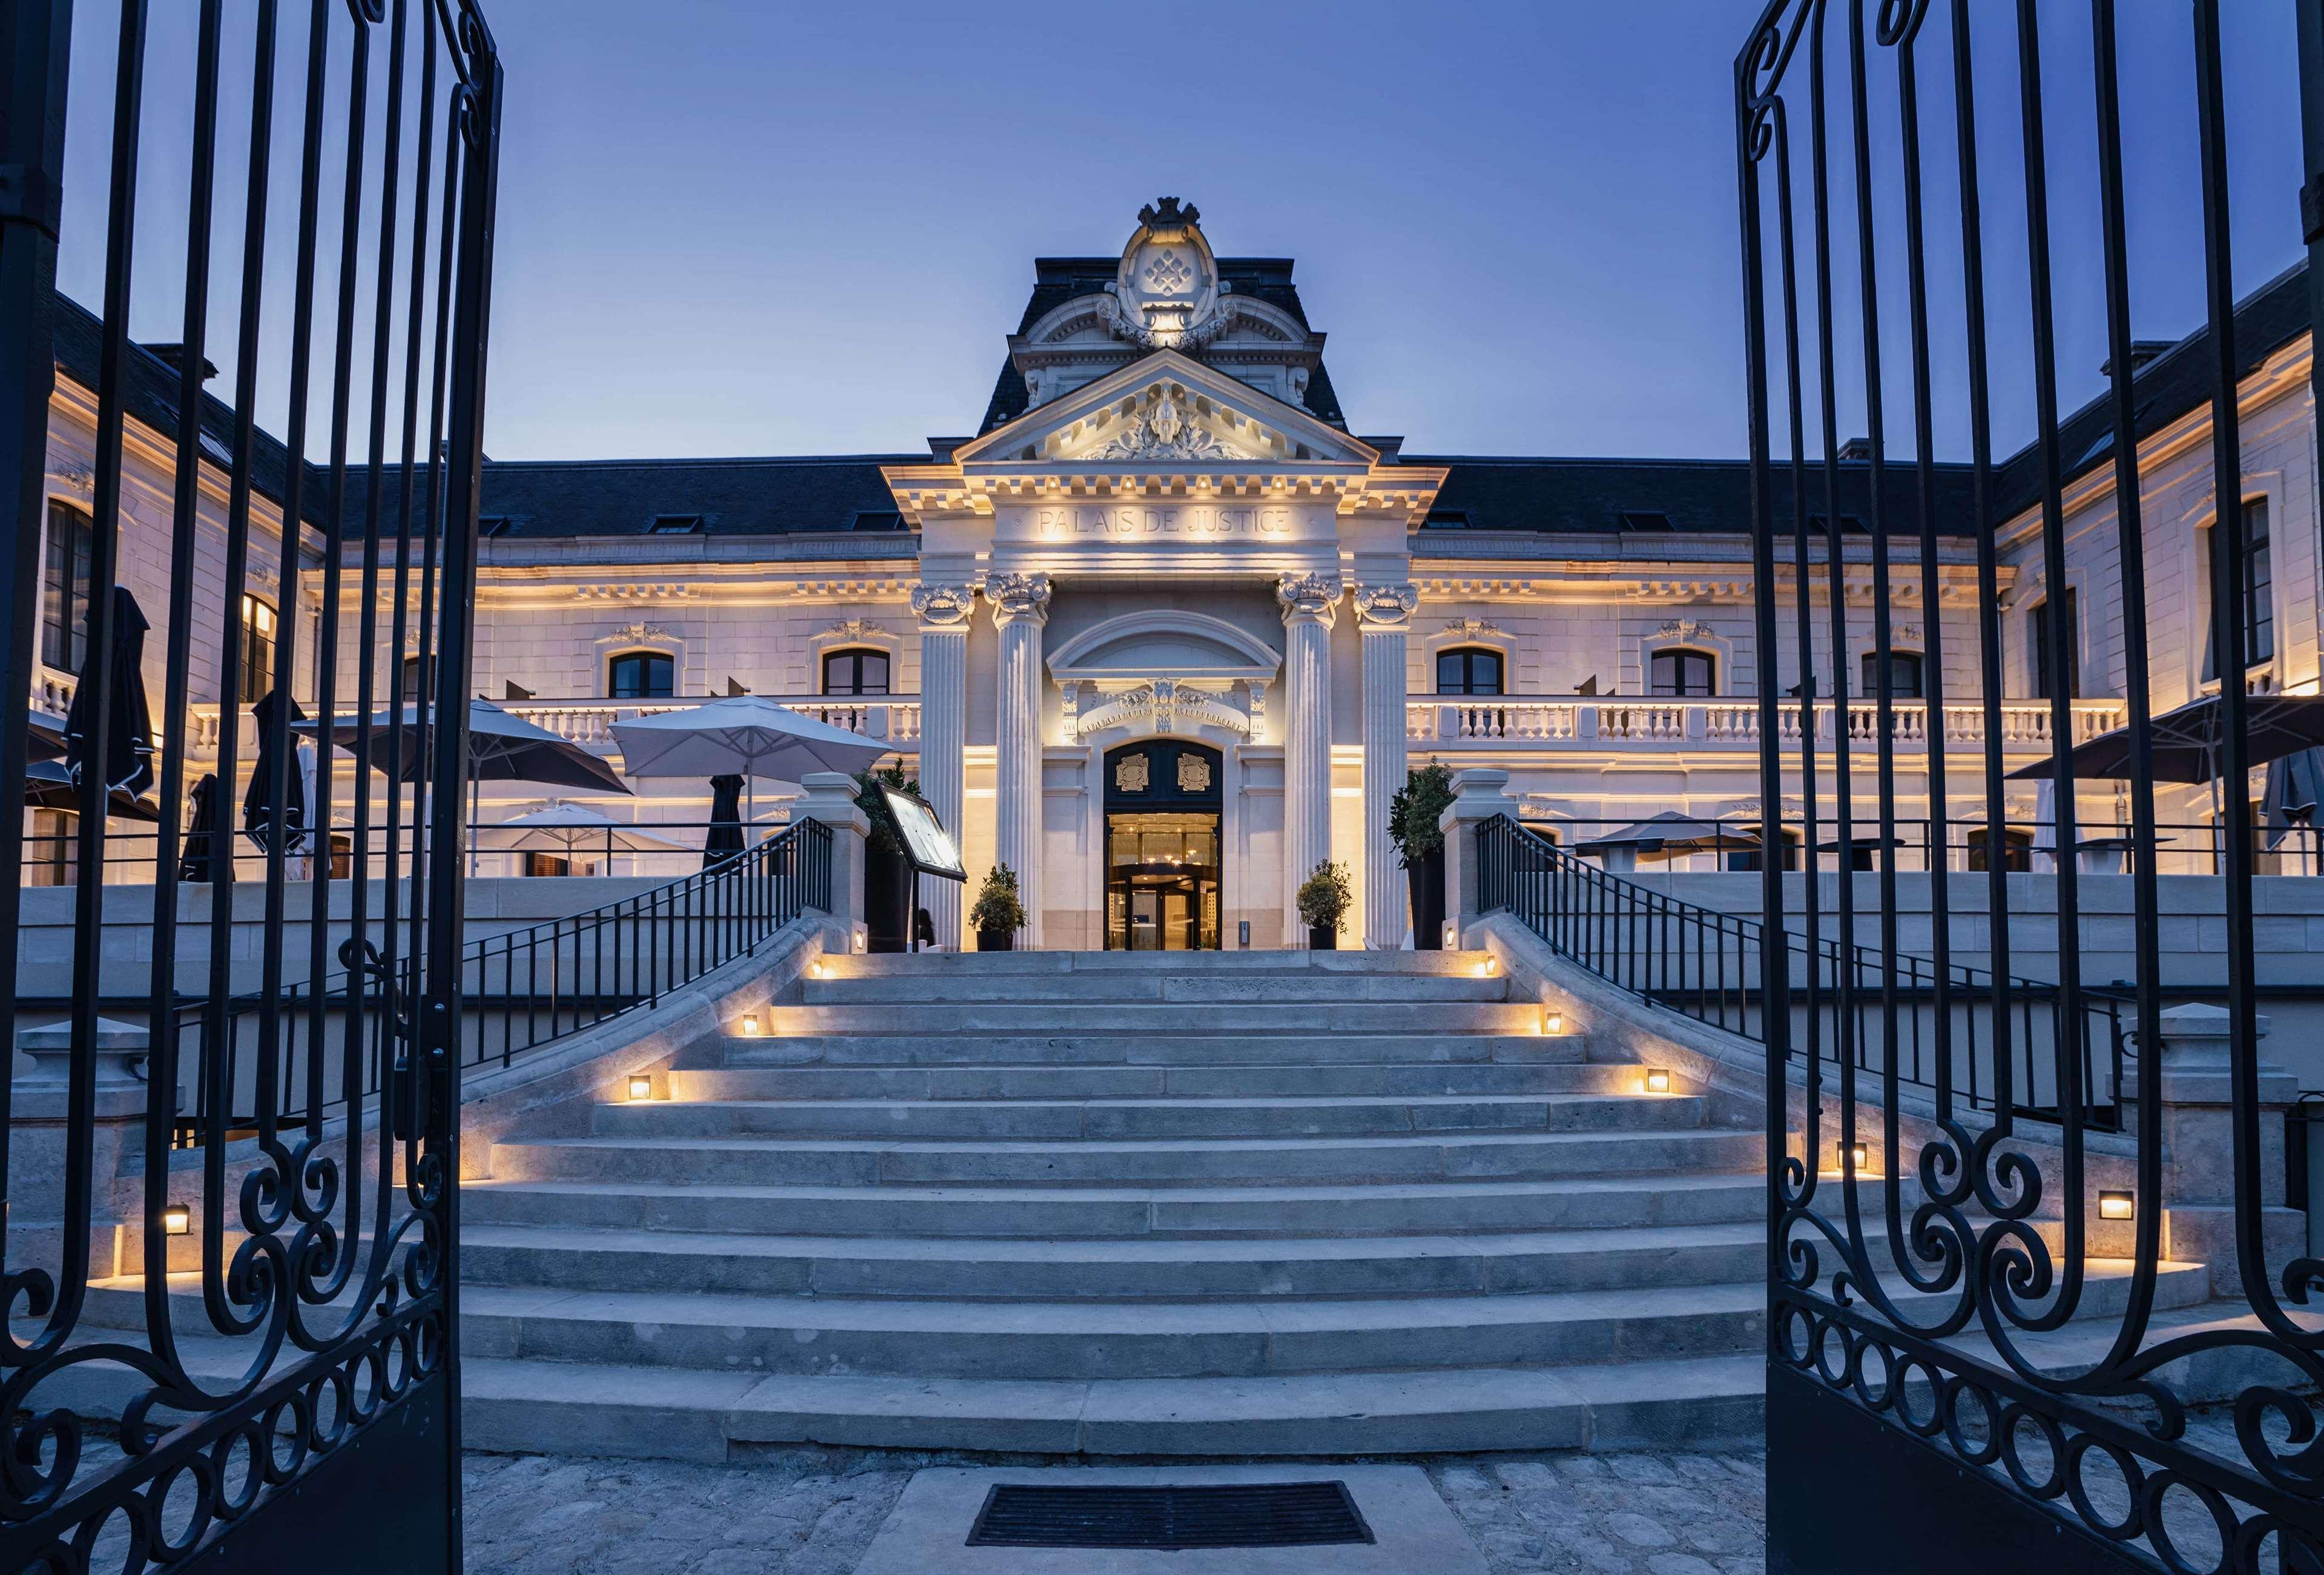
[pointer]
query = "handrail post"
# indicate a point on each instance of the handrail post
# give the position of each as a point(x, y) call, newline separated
point(1480, 794)
point(831, 799)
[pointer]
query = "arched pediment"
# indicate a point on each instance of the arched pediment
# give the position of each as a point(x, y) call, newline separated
point(1164, 642)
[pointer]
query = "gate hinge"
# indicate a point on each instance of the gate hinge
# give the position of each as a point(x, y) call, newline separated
point(29, 196)
point(2312, 209)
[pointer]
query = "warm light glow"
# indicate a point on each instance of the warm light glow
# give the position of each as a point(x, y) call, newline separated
point(1553, 1022)
point(1492, 965)
point(1657, 1079)
point(862, 941)
point(640, 1086)
point(815, 969)
point(1860, 1157)
point(2117, 1206)
point(177, 1219)
point(1484, 969)
point(750, 1023)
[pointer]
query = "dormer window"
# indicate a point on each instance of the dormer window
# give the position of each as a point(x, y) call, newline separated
point(1644, 518)
point(676, 525)
point(492, 524)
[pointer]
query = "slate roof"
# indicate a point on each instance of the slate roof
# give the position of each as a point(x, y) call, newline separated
point(1591, 497)
point(732, 497)
point(1058, 279)
point(149, 391)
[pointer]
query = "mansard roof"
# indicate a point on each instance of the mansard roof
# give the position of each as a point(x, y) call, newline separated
point(150, 390)
point(1606, 497)
point(1058, 279)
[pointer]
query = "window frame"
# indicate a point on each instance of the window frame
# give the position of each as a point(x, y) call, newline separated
point(64, 606)
point(247, 691)
point(856, 655)
point(645, 658)
point(1868, 674)
point(1467, 656)
point(2037, 637)
point(1679, 655)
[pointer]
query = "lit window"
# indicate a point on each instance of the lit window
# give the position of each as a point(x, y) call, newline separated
point(1468, 670)
point(2038, 628)
point(258, 631)
point(641, 675)
point(1679, 672)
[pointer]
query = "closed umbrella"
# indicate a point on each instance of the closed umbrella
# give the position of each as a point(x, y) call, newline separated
point(726, 839)
point(748, 735)
point(2295, 786)
point(129, 726)
point(258, 806)
point(201, 830)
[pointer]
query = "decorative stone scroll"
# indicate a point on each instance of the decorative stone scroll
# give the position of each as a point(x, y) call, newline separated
point(943, 607)
point(1386, 606)
point(1311, 597)
point(1018, 596)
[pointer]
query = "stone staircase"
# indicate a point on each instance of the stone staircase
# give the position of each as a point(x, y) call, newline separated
point(1126, 1204)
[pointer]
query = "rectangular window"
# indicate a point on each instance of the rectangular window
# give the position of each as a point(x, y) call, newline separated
point(641, 675)
point(2258, 580)
point(1469, 670)
point(1682, 673)
point(1904, 674)
point(855, 672)
point(64, 587)
point(258, 674)
point(2039, 630)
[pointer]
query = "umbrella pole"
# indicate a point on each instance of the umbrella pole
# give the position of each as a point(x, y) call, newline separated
point(474, 809)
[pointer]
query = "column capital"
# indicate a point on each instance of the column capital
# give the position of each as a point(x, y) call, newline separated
point(1387, 609)
point(1018, 596)
point(942, 607)
point(1309, 598)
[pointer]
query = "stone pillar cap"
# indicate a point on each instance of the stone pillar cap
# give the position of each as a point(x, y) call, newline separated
point(56, 1037)
point(2196, 1020)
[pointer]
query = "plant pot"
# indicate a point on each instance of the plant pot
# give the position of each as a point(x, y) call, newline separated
point(1426, 878)
point(996, 940)
point(1321, 937)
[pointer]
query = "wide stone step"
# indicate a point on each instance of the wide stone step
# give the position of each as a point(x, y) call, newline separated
point(563, 1409)
point(1126, 988)
point(1099, 1048)
point(1116, 1212)
point(1136, 1020)
point(978, 964)
point(1094, 1162)
point(1121, 1270)
point(1236, 1080)
point(1134, 1119)
point(1152, 1339)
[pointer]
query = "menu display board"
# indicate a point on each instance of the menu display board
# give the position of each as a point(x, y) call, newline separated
point(928, 843)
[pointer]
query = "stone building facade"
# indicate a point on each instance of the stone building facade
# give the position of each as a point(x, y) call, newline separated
point(1165, 631)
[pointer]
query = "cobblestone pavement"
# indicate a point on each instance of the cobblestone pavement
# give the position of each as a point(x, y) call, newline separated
point(813, 1511)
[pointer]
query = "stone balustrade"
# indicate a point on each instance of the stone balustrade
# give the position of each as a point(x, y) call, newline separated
point(1731, 722)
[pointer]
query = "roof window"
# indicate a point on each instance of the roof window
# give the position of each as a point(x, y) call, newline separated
point(1644, 518)
point(494, 525)
point(676, 525)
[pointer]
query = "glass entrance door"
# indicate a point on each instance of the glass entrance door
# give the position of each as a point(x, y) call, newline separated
point(1162, 883)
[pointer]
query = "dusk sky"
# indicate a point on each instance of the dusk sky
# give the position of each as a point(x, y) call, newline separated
point(732, 226)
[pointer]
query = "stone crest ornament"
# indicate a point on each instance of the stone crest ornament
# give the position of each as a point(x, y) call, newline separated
point(1193, 774)
point(1132, 774)
point(1163, 427)
point(943, 606)
point(1167, 293)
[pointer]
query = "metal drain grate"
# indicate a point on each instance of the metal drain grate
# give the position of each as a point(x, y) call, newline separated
point(1245, 1515)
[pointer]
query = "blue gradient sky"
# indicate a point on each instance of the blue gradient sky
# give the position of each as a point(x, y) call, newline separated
point(736, 226)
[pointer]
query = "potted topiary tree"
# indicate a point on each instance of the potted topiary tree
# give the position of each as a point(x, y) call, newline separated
point(1323, 899)
point(1412, 822)
point(999, 911)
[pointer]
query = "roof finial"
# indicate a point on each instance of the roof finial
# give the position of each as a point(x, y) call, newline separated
point(1165, 214)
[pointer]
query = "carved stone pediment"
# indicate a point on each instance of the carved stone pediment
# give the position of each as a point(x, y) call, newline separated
point(1163, 706)
point(1166, 420)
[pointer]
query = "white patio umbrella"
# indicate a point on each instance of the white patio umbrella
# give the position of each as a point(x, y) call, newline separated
point(568, 829)
point(748, 735)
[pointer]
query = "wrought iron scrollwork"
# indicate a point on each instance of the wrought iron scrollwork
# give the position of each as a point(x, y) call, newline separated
point(1929, 1291)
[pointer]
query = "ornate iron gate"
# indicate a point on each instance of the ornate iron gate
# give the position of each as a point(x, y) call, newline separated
point(317, 213)
point(1928, 1252)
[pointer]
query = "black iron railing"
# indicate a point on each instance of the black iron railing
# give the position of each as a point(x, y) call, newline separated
point(1846, 1000)
point(519, 989)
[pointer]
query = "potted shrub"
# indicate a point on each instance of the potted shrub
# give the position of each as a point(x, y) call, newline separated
point(1323, 899)
point(1412, 823)
point(999, 911)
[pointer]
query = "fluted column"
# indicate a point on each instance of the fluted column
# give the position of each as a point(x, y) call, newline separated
point(943, 612)
point(1384, 611)
point(1311, 603)
point(1020, 606)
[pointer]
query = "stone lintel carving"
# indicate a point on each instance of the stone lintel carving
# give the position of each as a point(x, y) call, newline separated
point(1684, 630)
point(1161, 704)
point(1386, 607)
point(634, 633)
point(1309, 596)
point(1469, 628)
point(943, 607)
point(1018, 596)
